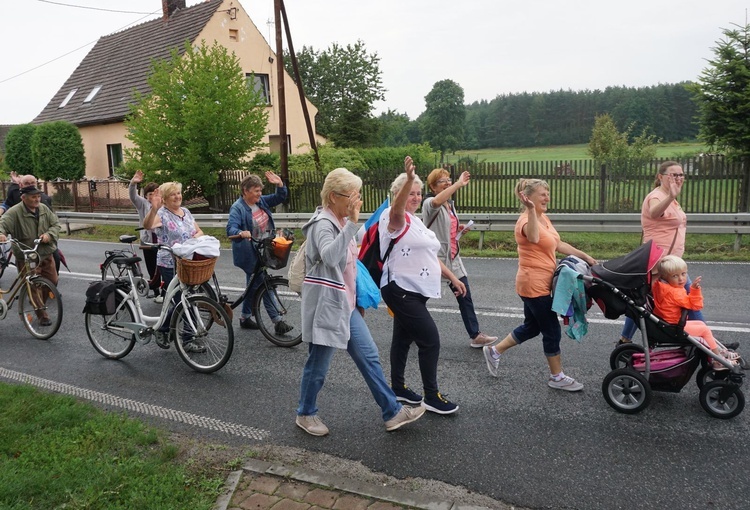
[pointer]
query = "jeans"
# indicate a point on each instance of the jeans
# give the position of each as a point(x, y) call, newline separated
point(466, 306)
point(412, 323)
point(247, 303)
point(539, 318)
point(630, 326)
point(364, 352)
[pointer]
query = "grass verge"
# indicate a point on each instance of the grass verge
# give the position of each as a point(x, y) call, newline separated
point(56, 452)
point(718, 247)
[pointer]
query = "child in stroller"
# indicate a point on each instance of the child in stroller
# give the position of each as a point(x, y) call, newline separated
point(670, 298)
point(668, 356)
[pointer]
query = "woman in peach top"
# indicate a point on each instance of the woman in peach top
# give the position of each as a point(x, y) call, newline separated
point(664, 222)
point(538, 241)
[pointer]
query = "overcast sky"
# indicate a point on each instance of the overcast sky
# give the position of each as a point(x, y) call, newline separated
point(489, 47)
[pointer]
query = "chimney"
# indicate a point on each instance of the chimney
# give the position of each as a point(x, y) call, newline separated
point(169, 6)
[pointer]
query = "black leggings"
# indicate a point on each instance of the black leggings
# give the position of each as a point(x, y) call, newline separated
point(412, 323)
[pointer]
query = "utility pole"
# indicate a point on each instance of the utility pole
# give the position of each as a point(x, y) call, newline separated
point(283, 144)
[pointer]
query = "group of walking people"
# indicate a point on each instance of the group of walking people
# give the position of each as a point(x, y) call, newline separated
point(422, 252)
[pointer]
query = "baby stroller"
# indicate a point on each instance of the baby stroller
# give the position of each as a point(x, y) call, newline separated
point(667, 357)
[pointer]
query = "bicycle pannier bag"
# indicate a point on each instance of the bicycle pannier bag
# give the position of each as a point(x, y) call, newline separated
point(100, 298)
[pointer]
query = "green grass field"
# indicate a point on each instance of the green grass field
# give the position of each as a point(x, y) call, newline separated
point(564, 153)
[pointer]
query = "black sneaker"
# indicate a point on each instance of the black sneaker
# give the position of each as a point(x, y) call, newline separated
point(282, 328)
point(732, 346)
point(439, 404)
point(406, 395)
point(248, 323)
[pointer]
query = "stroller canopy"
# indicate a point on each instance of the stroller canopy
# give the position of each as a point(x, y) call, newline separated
point(630, 271)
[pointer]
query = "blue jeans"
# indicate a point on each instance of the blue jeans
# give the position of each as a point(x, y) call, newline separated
point(539, 318)
point(466, 306)
point(364, 352)
point(630, 326)
point(247, 303)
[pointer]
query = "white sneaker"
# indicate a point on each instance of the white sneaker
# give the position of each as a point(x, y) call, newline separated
point(312, 425)
point(159, 299)
point(493, 363)
point(567, 383)
point(481, 340)
point(407, 414)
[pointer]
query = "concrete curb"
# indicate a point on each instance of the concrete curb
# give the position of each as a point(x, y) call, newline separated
point(359, 488)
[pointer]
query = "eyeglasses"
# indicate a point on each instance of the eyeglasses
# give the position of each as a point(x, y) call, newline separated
point(356, 194)
point(444, 181)
point(676, 176)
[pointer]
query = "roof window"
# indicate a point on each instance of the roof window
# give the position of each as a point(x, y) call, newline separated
point(92, 94)
point(68, 98)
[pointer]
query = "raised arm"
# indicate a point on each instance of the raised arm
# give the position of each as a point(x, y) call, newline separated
point(448, 192)
point(397, 218)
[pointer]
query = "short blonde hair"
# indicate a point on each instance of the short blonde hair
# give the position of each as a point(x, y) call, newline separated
point(670, 264)
point(170, 188)
point(528, 186)
point(399, 182)
point(339, 180)
point(436, 175)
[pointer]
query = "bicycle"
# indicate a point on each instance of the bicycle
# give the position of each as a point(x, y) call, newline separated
point(199, 327)
point(274, 302)
point(39, 302)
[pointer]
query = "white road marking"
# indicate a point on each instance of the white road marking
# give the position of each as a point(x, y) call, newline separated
point(139, 407)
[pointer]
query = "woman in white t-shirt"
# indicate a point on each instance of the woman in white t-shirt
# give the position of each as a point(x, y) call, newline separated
point(411, 275)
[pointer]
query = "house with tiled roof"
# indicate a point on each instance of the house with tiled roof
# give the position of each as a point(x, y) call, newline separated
point(97, 95)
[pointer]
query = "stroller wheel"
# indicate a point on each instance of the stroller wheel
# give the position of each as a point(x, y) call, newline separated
point(722, 399)
point(707, 374)
point(622, 354)
point(626, 391)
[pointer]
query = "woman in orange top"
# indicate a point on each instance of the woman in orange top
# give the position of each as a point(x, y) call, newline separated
point(664, 222)
point(670, 298)
point(537, 243)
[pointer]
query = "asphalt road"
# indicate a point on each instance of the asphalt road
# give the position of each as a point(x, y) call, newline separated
point(513, 439)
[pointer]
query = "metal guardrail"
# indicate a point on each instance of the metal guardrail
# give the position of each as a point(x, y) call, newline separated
point(738, 223)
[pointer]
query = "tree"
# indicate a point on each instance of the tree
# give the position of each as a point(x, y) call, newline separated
point(57, 151)
point(723, 95)
point(343, 83)
point(18, 149)
point(444, 117)
point(202, 117)
point(613, 148)
point(392, 129)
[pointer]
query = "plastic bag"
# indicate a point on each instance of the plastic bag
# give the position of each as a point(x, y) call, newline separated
point(368, 294)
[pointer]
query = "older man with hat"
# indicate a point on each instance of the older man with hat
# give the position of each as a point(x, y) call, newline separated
point(29, 220)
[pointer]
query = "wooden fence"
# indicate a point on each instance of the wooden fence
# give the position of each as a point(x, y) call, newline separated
point(713, 184)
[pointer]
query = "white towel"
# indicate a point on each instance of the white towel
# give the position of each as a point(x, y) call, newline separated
point(208, 246)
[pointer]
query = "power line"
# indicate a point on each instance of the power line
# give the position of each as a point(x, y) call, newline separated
point(93, 8)
point(79, 48)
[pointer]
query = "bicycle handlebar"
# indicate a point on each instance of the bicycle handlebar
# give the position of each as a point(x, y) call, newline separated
point(23, 247)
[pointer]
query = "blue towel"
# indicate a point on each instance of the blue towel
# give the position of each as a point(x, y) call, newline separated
point(570, 301)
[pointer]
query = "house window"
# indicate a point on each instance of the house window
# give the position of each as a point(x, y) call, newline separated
point(92, 94)
point(233, 35)
point(260, 83)
point(68, 98)
point(114, 157)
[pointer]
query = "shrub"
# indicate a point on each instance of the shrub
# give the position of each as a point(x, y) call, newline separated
point(18, 149)
point(57, 152)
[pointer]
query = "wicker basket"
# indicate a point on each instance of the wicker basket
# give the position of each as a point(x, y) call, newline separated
point(195, 272)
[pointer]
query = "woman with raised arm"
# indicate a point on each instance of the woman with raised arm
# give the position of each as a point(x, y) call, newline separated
point(411, 275)
point(439, 214)
point(538, 241)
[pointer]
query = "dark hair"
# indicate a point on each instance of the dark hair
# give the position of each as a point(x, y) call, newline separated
point(149, 188)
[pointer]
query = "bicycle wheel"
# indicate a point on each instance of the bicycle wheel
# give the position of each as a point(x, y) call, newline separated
point(40, 307)
point(112, 342)
point(203, 334)
point(278, 312)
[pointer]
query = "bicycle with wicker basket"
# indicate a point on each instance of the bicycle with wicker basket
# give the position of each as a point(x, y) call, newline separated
point(199, 327)
point(276, 308)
